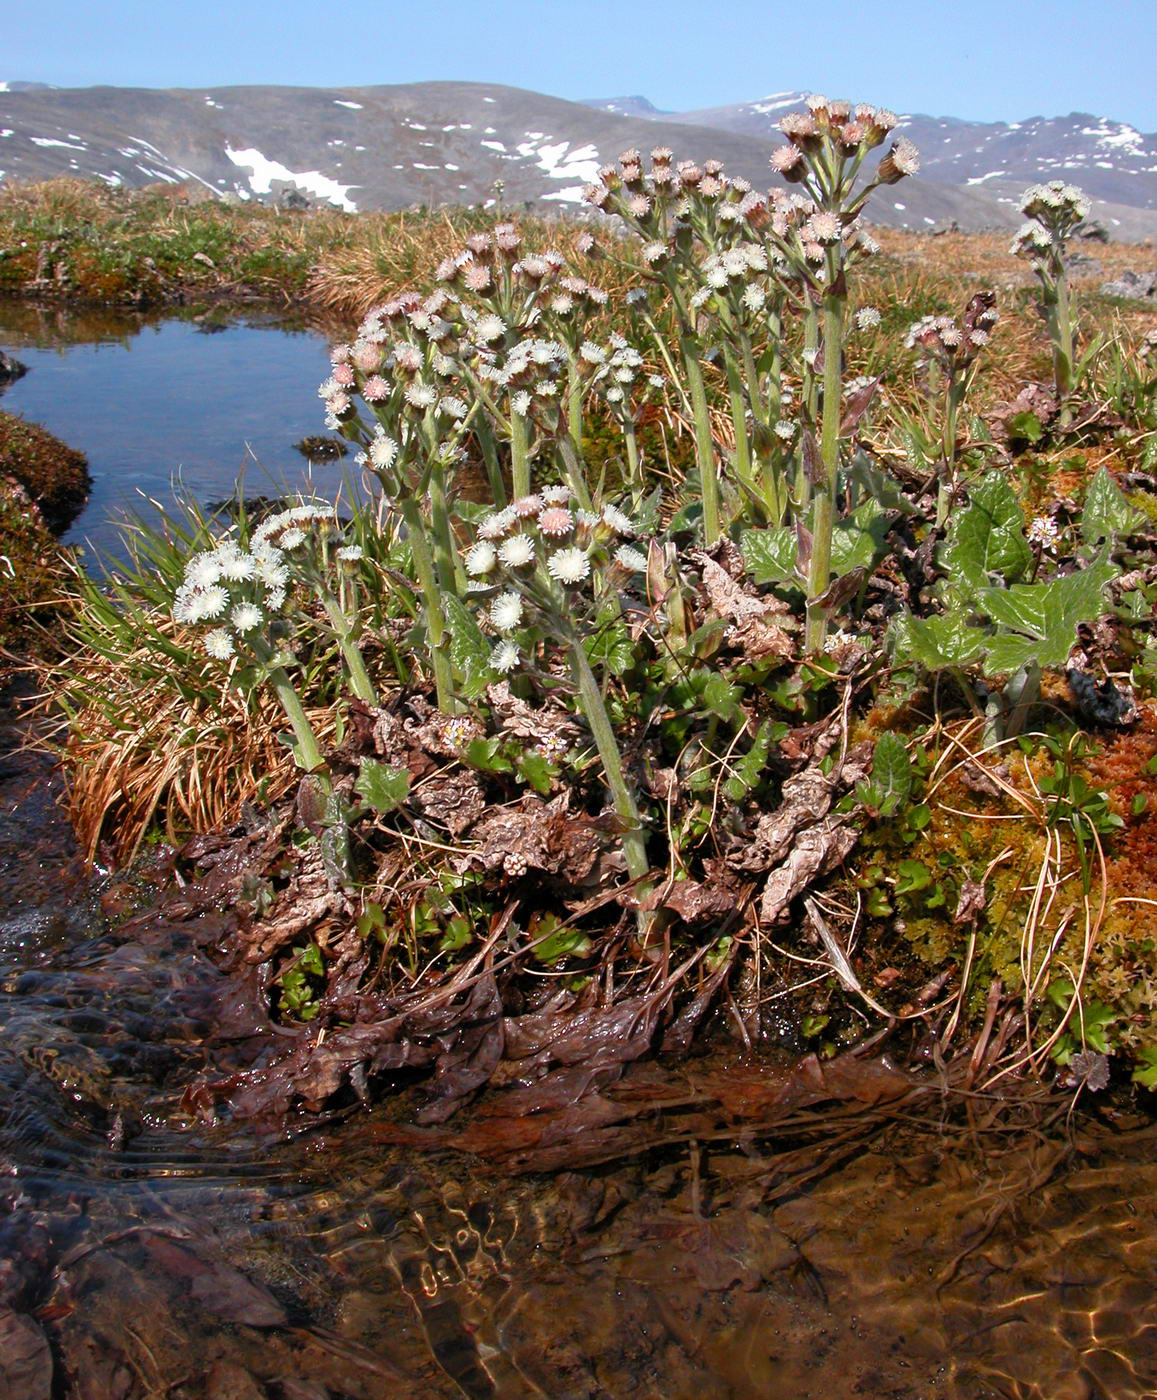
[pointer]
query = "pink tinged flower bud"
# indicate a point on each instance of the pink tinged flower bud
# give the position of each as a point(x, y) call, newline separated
point(479, 244)
point(596, 195)
point(367, 357)
point(556, 521)
point(661, 155)
point(526, 506)
point(631, 157)
point(447, 270)
point(639, 206)
point(710, 187)
point(585, 245)
point(788, 161)
point(839, 111)
point(476, 277)
point(852, 134)
point(375, 389)
point(689, 174)
point(343, 375)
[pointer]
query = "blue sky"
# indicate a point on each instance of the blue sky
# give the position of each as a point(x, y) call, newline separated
point(984, 59)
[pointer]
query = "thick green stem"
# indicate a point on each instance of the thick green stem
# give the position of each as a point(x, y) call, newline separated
point(487, 446)
point(704, 445)
point(810, 403)
point(820, 564)
point(307, 752)
point(451, 574)
point(520, 456)
point(431, 603)
point(591, 700)
point(574, 407)
point(1063, 343)
point(635, 483)
point(953, 397)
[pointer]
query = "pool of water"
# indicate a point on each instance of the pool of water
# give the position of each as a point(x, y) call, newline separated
point(170, 404)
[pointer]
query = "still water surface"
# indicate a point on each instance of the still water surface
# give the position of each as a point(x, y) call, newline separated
point(164, 404)
point(145, 1253)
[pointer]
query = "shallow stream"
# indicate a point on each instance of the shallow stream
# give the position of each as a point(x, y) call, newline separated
point(147, 1253)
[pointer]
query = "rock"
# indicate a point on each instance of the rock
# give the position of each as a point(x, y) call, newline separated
point(1132, 286)
point(10, 369)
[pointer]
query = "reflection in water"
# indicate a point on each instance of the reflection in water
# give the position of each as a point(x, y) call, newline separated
point(155, 402)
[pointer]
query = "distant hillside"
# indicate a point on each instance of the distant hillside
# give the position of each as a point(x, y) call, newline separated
point(443, 143)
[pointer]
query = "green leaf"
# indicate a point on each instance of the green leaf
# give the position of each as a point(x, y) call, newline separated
point(749, 769)
point(537, 771)
point(874, 485)
point(936, 643)
point(469, 649)
point(610, 647)
point(382, 786)
point(890, 782)
point(1107, 513)
point(719, 696)
point(858, 542)
point(1146, 1072)
point(912, 876)
point(770, 554)
point(988, 537)
point(486, 755)
point(1025, 427)
point(1047, 613)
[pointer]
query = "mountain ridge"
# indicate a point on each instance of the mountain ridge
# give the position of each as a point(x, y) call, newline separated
point(392, 146)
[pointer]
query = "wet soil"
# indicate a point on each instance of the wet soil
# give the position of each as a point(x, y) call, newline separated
point(143, 1252)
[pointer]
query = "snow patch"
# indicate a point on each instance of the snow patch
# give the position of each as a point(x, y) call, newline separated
point(48, 141)
point(580, 164)
point(572, 194)
point(494, 145)
point(264, 171)
point(353, 106)
point(7, 130)
point(990, 175)
point(489, 99)
point(897, 205)
point(419, 166)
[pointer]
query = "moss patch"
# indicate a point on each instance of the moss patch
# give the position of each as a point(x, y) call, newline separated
point(55, 476)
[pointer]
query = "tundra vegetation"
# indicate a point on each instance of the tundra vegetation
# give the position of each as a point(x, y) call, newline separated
point(749, 626)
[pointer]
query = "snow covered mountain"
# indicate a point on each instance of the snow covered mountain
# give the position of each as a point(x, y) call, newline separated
point(441, 143)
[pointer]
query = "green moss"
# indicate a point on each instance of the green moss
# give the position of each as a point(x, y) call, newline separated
point(54, 475)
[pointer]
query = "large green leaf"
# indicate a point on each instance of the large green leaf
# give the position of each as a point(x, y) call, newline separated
point(858, 542)
point(987, 537)
point(890, 783)
point(381, 785)
point(1046, 615)
point(1107, 512)
point(469, 649)
point(936, 643)
point(770, 554)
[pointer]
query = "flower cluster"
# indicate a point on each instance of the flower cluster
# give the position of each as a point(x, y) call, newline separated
point(1052, 211)
point(239, 588)
point(955, 345)
point(529, 559)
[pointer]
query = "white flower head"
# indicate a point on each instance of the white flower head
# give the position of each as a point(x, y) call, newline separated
point(505, 656)
point(630, 558)
point(517, 551)
point(480, 558)
point(619, 522)
point(569, 565)
point(496, 524)
point(219, 644)
point(246, 617)
point(351, 553)
point(506, 611)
